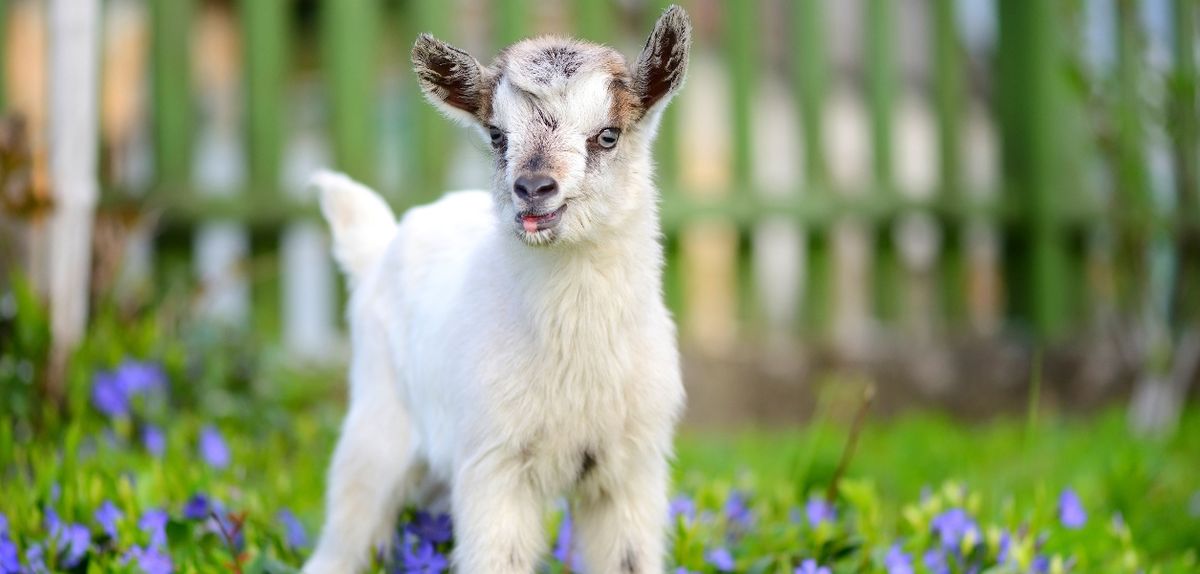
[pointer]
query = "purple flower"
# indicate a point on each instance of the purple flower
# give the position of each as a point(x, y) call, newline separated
point(682, 570)
point(898, 561)
point(1040, 565)
point(952, 525)
point(3, 524)
point(154, 440)
point(425, 560)
point(197, 507)
point(137, 377)
point(564, 550)
point(737, 511)
point(108, 396)
point(72, 542)
point(213, 449)
point(108, 515)
point(152, 560)
point(435, 528)
point(10, 560)
point(935, 561)
point(682, 506)
point(35, 558)
point(1004, 545)
point(720, 558)
point(154, 523)
point(221, 523)
point(818, 510)
point(810, 566)
point(1070, 510)
point(294, 533)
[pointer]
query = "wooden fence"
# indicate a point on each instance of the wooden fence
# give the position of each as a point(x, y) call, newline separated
point(1079, 221)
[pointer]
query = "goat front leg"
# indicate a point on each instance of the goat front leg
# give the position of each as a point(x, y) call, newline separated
point(497, 519)
point(622, 525)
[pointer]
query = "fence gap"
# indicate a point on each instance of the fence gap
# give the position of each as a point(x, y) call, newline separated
point(221, 243)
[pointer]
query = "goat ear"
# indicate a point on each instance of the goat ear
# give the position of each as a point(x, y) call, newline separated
point(662, 65)
point(453, 81)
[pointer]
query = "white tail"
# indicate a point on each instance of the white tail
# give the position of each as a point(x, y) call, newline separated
point(362, 223)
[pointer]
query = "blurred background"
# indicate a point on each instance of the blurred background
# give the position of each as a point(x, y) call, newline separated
point(977, 206)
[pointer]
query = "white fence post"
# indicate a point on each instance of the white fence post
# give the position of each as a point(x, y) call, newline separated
point(74, 38)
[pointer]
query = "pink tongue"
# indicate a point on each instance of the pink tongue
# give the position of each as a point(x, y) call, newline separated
point(530, 224)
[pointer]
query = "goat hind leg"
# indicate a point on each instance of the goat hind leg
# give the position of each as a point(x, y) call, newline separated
point(371, 468)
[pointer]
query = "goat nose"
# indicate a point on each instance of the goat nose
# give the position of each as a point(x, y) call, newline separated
point(535, 187)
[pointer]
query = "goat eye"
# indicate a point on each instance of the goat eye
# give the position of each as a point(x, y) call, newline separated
point(607, 138)
point(498, 138)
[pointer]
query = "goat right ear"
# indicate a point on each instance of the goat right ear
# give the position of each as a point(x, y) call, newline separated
point(662, 65)
point(453, 81)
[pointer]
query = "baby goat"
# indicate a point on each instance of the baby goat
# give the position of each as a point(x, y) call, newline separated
point(512, 346)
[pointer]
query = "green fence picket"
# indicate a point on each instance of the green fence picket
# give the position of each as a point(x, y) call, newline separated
point(881, 87)
point(1183, 127)
point(265, 37)
point(593, 20)
point(949, 96)
point(1029, 87)
point(743, 59)
point(810, 78)
point(264, 28)
point(1183, 119)
point(512, 19)
point(882, 92)
point(740, 35)
point(667, 171)
point(3, 48)
point(171, 86)
point(349, 37)
point(667, 148)
point(427, 145)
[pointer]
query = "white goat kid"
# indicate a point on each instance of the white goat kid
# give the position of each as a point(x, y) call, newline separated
point(512, 346)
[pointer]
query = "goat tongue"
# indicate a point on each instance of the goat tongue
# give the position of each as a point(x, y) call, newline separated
point(530, 223)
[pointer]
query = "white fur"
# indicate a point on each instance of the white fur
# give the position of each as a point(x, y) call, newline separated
point(493, 362)
point(361, 222)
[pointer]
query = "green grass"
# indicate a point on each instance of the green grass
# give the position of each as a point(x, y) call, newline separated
point(1155, 485)
point(1012, 479)
point(280, 424)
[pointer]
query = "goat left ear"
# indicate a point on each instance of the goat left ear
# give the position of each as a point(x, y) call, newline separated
point(662, 65)
point(451, 79)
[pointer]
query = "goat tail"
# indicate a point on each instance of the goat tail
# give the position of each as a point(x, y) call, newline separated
point(362, 223)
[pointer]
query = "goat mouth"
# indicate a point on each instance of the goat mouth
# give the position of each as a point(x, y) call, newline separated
point(533, 222)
